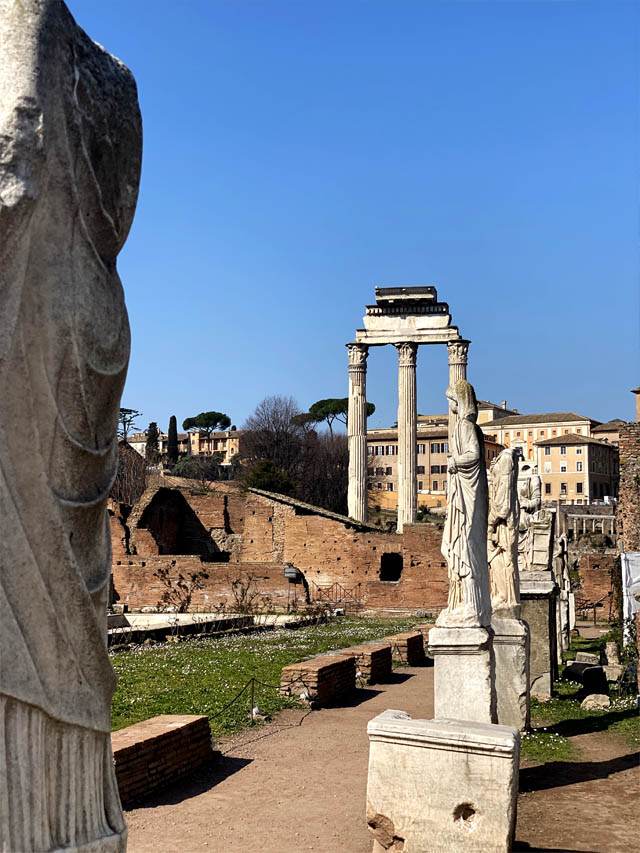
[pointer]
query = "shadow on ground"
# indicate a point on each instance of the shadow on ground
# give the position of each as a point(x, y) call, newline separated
point(196, 783)
point(556, 774)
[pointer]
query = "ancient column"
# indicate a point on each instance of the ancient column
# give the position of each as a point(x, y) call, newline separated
point(70, 155)
point(407, 434)
point(357, 431)
point(457, 352)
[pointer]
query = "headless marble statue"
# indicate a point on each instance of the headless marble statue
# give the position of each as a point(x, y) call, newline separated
point(503, 536)
point(70, 153)
point(464, 543)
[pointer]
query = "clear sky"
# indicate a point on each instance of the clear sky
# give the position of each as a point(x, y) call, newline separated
point(299, 152)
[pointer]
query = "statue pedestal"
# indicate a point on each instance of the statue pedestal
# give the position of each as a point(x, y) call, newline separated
point(464, 674)
point(538, 593)
point(441, 784)
point(511, 652)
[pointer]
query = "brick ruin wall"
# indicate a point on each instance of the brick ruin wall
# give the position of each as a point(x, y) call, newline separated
point(257, 535)
point(595, 571)
point(628, 510)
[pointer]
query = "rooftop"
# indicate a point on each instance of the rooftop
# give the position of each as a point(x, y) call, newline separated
point(547, 418)
point(574, 440)
point(609, 426)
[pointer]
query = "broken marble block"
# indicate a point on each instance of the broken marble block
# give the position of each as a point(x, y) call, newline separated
point(437, 785)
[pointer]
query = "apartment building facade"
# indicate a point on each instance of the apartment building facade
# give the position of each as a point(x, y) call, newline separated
point(577, 469)
point(226, 442)
point(432, 449)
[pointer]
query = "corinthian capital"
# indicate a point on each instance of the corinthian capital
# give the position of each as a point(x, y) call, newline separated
point(458, 351)
point(358, 355)
point(407, 354)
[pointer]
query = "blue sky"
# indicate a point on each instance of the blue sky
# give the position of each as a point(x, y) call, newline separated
point(297, 153)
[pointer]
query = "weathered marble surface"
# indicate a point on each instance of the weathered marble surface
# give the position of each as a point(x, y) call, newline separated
point(464, 674)
point(440, 785)
point(511, 655)
point(464, 542)
point(70, 152)
point(502, 543)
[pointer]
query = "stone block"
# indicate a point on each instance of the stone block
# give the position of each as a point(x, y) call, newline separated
point(511, 652)
point(612, 653)
point(322, 680)
point(464, 674)
point(440, 785)
point(373, 661)
point(587, 657)
point(613, 671)
point(596, 702)
point(407, 648)
point(537, 593)
point(594, 680)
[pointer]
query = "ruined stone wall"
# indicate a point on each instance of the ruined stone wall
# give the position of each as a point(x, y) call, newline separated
point(595, 570)
point(629, 496)
point(260, 534)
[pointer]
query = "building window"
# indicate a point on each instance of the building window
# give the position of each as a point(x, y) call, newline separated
point(420, 469)
point(579, 430)
point(563, 468)
point(389, 487)
point(388, 471)
point(445, 446)
point(370, 472)
point(530, 432)
point(443, 469)
point(379, 472)
point(547, 451)
point(578, 466)
point(389, 449)
point(541, 433)
point(435, 447)
point(566, 432)
point(434, 485)
point(563, 488)
point(379, 486)
point(578, 451)
point(555, 432)
point(547, 488)
point(422, 448)
point(435, 469)
point(370, 450)
point(547, 467)
point(380, 450)
point(579, 488)
point(518, 434)
point(419, 485)
point(563, 450)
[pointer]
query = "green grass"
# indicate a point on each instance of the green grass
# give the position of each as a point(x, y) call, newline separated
point(203, 676)
point(556, 721)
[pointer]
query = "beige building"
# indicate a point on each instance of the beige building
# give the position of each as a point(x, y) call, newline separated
point(431, 470)
point(609, 431)
point(523, 431)
point(227, 442)
point(577, 469)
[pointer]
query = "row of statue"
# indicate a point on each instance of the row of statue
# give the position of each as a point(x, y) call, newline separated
point(488, 531)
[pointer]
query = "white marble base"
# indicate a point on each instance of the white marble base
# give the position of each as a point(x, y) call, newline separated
point(464, 683)
point(441, 785)
point(511, 653)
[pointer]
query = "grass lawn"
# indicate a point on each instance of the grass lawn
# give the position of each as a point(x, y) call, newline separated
point(560, 718)
point(202, 676)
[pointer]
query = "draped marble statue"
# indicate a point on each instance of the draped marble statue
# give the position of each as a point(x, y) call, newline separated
point(503, 536)
point(530, 498)
point(70, 153)
point(464, 542)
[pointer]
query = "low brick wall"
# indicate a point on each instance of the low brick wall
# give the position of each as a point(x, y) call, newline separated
point(373, 660)
point(325, 679)
point(156, 752)
point(407, 648)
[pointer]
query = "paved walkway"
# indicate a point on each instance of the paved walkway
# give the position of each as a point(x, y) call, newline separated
point(299, 784)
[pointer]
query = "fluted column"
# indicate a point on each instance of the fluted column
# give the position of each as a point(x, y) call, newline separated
point(458, 352)
point(407, 434)
point(357, 431)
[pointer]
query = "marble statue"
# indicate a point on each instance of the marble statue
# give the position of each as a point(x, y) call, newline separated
point(70, 155)
point(502, 545)
point(530, 498)
point(464, 542)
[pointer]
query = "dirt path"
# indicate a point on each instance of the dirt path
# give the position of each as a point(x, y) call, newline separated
point(299, 784)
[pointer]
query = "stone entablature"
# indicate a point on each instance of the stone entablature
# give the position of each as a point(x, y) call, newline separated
point(404, 317)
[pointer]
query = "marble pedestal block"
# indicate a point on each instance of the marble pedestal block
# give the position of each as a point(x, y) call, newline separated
point(437, 785)
point(464, 682)
point(538, 592)
point(563, 633)
point(511, 653)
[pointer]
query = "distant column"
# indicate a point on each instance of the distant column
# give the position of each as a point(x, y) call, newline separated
point(407, 434)
point(458, 352)
point(357, 431)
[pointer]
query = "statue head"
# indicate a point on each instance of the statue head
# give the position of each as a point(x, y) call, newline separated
point(462, 400)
